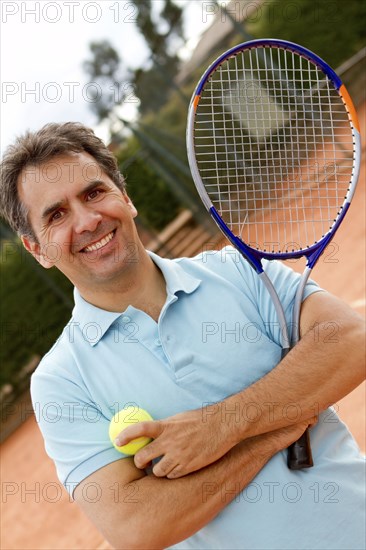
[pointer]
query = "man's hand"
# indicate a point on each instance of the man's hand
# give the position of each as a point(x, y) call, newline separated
point(186, 441)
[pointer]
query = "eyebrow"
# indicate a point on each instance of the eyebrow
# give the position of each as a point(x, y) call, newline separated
point(56, 205)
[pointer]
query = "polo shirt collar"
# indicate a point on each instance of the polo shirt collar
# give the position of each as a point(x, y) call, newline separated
point(177, 280)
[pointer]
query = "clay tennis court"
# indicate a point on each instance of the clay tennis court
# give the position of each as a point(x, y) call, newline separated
point(36, 512)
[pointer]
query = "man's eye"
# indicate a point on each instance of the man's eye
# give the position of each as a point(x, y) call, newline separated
point(56, 216)
point(94, 194)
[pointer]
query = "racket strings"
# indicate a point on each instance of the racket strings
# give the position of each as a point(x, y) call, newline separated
point(274, 148)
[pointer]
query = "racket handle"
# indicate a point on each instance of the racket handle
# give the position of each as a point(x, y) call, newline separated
point(299, 453)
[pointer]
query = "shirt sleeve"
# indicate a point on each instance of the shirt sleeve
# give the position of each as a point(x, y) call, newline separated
point(285, 281)
point(74, 428)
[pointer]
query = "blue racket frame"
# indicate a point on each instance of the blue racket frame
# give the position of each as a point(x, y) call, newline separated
point(254, 256)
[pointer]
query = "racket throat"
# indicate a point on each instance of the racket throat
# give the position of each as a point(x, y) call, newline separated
point(314, 256)
point(250, 255)
point(279, 311)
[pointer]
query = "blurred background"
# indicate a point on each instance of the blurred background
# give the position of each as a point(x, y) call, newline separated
point(128, 69)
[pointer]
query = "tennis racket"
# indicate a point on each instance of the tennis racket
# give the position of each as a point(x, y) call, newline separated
point(274, 149)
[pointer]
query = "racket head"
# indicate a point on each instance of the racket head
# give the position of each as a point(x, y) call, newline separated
point(274, 149)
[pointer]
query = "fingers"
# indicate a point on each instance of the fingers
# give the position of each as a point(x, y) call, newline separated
point(147, 454)
point(166, 468)
point(150, 429)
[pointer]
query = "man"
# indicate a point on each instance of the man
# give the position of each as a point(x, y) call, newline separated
point(139, 334)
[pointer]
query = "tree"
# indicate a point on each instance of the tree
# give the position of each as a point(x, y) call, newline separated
point(154, 83)
point(105, 72)
point(333, 29)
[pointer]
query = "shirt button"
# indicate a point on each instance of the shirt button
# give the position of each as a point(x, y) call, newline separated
point(126, 319)
point(157, 342)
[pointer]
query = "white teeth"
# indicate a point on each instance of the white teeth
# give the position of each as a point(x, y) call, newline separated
point(100, 243)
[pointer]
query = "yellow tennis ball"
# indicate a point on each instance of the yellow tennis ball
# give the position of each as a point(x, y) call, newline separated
point(121, 420)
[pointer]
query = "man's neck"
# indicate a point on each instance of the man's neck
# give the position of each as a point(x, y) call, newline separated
point(143, 288)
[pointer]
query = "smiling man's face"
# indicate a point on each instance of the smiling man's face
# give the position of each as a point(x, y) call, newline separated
point(82, 220)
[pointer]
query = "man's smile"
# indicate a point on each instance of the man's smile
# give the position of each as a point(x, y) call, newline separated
point(97, 245)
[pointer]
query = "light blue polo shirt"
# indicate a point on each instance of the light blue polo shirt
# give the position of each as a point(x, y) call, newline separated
point(217, 334)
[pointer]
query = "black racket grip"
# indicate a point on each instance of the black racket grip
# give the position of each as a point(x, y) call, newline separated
point(299, 453)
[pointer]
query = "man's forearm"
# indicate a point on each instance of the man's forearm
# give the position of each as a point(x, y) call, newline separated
point(321, 369)
point(191, 502)
point(169, 511)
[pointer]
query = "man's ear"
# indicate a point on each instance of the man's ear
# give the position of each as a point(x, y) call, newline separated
point(35, 249)
point(130, 204)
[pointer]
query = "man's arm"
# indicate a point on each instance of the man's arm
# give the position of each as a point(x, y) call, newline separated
point(136, 511)
point(327, 363)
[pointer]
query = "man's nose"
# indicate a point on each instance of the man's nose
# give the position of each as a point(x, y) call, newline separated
point(86, 219)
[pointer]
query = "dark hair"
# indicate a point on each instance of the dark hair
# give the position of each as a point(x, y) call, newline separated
point(36, 148)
